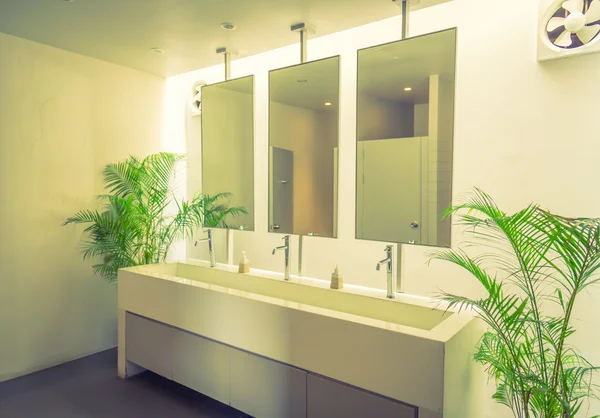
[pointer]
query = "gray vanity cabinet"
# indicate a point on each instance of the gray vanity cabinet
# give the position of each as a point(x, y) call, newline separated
point(150, 344)
point(328, 398)
point(188, 359)
point(266, 389)
point(258, 386)
point(202, 365)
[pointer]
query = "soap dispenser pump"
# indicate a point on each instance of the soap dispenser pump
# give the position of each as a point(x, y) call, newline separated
point(337, 279)
point(244, 263)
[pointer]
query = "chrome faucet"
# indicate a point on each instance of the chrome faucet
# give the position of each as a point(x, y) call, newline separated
point(285, 247)
point(389, 250)
point(211, 247)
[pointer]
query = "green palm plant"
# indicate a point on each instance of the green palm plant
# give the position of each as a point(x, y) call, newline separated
point(539, 264)
point(141, 217)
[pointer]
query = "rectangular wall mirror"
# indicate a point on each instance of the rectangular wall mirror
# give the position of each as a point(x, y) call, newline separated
point(405, 129)
point(228, 146)
point(303, 145)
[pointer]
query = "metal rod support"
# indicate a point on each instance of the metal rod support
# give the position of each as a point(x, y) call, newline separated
point(405, 6)
point(300, 255)
point(303, 46)
point(227, 60)
point(304, 30)
point(405, 19)
point(399, 260)
point(227, 65)
point(230, 246)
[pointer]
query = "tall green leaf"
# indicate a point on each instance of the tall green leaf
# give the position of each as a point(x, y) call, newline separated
point(140, 216)
point(537, 259)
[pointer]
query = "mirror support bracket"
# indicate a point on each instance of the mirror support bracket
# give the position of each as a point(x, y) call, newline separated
point(227, 59)
point(399, 257)
point(230, 247)
point(300, 254)
point(304, 30)
point(405, 6)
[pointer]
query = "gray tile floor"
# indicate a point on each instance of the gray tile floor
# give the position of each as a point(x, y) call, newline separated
point(90, 388)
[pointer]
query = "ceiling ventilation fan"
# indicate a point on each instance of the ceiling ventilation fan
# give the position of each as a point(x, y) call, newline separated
point(568, 27)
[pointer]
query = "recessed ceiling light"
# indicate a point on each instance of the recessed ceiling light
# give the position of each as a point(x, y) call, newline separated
point(228, 25)
point(302, 80)
point(157, 51)
point(327, 104)
point(407, 88)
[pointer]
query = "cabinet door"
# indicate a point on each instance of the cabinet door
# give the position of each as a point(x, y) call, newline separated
point(149, 344)
point(266, 389)
point(328, 398)
point(202, 365)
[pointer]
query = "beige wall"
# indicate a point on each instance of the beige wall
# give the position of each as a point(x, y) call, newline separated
point(62, 117)
point(323, 166)
point(312, 136)
point(384, 119)
point(421, 120)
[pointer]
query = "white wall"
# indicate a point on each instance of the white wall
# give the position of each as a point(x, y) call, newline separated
point(62, 117)
point(524, 132)
point(443, 165)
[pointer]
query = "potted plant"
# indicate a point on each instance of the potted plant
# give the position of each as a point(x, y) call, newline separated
point(539, 265)
point(141, 217)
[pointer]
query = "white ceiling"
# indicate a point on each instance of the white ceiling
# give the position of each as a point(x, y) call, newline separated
point(124, 31)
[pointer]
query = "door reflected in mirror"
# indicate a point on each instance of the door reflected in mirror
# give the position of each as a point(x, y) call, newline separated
point(303, 142)
point(405, 129)
point(228, 146)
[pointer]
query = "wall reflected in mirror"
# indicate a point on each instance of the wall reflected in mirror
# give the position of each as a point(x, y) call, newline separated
point(303, 144)
point(405, 129)
point(228, 146)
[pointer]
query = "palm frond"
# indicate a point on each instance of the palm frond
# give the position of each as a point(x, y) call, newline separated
point(214, 210)
point(134, 226)
point(545, 258)
point(122, 179)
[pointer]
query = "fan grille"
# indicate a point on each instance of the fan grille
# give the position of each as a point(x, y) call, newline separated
point(555, 34)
